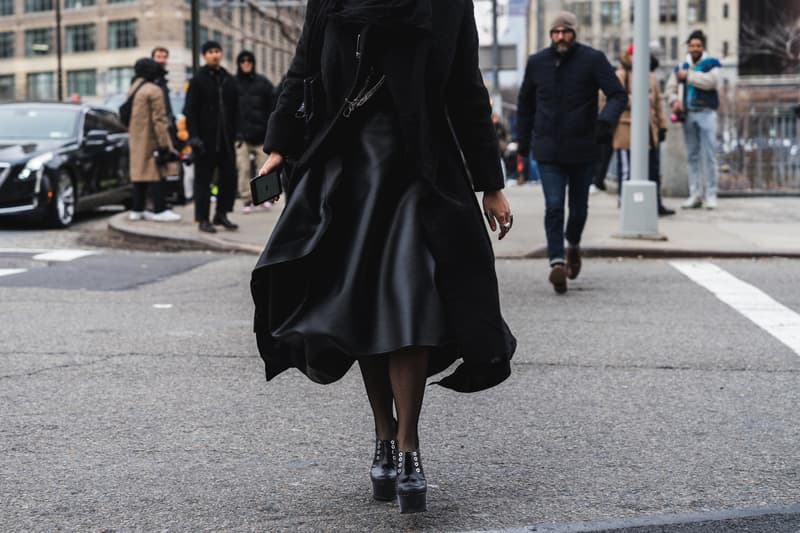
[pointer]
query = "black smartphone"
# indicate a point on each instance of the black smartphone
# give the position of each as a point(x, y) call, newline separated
point(265, 187)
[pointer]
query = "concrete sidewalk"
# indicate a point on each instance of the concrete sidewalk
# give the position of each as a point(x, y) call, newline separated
point(740, 227)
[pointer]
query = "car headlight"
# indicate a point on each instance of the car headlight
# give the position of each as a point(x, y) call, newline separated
point(35, 166)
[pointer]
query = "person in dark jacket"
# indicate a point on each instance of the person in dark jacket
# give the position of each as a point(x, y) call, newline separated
point(381, 254)
point(558, 107)
point(161, 56)
point(211, 109)
point(256, 95)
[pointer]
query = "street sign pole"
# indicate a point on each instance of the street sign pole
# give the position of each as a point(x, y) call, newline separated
point(195, 35)
point(59, 54)
point(639, 213)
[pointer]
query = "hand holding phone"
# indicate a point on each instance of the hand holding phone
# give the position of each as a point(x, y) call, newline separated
point(268, 185)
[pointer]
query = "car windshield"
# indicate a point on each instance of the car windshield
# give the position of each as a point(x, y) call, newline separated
point(37, 123)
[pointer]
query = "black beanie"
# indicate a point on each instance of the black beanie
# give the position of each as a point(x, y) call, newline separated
point(148, 69)
point(210, 45)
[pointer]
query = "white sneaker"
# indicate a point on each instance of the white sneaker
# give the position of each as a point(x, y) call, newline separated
point(593, 189)
point(693, 202)
point(266, 205)
point(136, 215)
point(167, 215)
point(710, 203)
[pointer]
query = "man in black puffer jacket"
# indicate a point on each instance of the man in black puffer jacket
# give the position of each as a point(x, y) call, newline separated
point(558, 107)
point(256, 95)
point(211, 109)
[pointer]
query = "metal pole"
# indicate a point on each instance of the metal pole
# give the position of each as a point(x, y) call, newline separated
point(640, 110)
point(59, 53)
point(539, 25)
point(195, 35)
point(639, 213)
point(495, 49)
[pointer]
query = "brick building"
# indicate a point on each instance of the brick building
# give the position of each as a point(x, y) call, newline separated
point(102, 39)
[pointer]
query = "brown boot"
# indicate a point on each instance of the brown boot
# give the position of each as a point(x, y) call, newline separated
point(558, 277)
point(573, 262)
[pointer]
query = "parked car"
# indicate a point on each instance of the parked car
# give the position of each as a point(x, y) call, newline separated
point(57, 159)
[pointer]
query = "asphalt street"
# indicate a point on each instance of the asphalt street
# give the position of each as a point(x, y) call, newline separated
point(136, 401)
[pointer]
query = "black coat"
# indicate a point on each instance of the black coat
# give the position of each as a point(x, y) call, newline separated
point(558, 105)
point(212, 108)
point(453, 92)
point(256, 95)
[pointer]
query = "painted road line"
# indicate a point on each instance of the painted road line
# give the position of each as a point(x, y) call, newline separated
point(63, 255)
point(11, 271)
point(775, 318)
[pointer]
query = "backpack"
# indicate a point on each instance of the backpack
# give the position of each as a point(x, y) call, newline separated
point(126, 109)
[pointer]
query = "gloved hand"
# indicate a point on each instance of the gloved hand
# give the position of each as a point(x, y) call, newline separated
point(603, 132)
point(165, 154)
point(198, 148)
point(662, 135)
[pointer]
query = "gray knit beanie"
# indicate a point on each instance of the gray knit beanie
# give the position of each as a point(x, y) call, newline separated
point(565, 19)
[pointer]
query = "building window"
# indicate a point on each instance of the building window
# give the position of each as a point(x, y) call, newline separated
point(229, 48)
point(38, 42)
point(725, 10)
point(610, 13)
point(696, 11)
point(119, 1)
point(7, 44)
point(217, 36)
point(668, 10)
point(187, 34)
point(83, 82)
point(34, 6)
point(41, 86)
point(6, 7)
point(583, 11)
point(80, 38)
point(77, 4)
point(662, 45)
point(203, 35)
point(725, 49)
point(119, 79)
point(673, 48)
point(7, 88)
point(122, 34)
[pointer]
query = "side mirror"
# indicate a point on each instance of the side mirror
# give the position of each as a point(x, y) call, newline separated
point(95, 138)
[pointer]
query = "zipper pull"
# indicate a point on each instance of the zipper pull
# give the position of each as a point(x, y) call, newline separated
point(358, 46)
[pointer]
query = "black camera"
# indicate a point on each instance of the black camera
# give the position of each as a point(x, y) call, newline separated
point(165, 155)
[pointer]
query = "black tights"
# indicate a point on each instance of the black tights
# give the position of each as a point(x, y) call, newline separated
point(398, 380)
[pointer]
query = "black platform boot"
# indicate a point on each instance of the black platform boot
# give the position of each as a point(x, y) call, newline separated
point(383, 472)
point(412, 488)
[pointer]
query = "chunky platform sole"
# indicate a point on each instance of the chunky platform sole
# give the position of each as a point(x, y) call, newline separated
point(384, 490)
point(412, 503)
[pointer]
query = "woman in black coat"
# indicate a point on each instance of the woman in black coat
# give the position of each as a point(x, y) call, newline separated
point(381, 255)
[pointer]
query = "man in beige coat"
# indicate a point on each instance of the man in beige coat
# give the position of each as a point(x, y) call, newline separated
point(152, 155)
point(657, 130)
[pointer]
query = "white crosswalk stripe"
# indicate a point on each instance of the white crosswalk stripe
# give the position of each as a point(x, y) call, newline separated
point(37, 254)
point(775, 318)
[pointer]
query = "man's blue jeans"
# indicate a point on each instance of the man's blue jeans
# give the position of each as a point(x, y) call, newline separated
point(700, 135)
point(555, 179)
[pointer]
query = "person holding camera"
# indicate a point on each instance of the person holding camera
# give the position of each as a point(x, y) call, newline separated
point(152, 154)
point(692, 93)
point(212, 109)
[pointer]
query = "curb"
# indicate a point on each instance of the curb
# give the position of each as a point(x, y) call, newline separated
point(118, 224)
point(201, 242)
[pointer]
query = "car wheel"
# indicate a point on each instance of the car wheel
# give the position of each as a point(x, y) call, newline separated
point(62, 207)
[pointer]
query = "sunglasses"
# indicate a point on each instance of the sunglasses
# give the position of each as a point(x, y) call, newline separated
point(245, 61)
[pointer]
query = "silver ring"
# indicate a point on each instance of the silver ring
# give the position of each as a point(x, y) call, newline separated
point(507, 225)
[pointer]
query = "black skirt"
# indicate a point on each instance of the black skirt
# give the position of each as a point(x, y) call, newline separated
point(368, 258)
point(367, 286)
